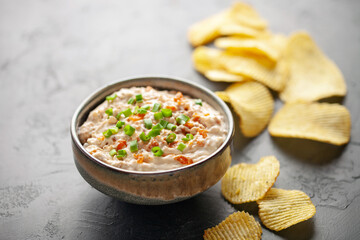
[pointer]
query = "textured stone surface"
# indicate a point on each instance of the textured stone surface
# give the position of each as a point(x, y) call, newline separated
point(54, 53)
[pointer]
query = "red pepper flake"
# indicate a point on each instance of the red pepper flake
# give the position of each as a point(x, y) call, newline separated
point(183, 160)
point(122, 144)
point(137, 117)
point(203, 132)
point(139, 157)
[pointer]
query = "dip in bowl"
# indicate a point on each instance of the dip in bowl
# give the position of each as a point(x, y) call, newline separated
point(128, 148)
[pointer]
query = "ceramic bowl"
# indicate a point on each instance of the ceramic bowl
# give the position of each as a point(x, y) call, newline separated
point(157, 187)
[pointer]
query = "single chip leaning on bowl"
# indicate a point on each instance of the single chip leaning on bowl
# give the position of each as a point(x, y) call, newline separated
point(280, 208)
point(249, 182)
point(239, 225)
point(223, 96)
point(324, 122)
point(312, 76)
point(206, 61)
point(271, 47)
point(253, 103)
point(259, 68)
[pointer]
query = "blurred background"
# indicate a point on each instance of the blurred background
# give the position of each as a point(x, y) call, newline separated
point(55, 53)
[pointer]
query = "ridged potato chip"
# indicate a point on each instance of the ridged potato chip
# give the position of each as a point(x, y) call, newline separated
point(258, 68)
point(206, 61)
point(207, 30)
point(239, 19)
point(218, 75)
point(239, 225)
point(253, 103)
point(223, 95)
point(244, 14)
point(280, 208)
point(271, 47)
point(324, 122)
point(249, 182)
point(312, 75)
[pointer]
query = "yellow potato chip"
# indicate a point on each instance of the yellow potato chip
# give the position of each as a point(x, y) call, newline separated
point(206, 59)
point(258, 68)
point(312, 75)
point(244, 14)
point(207, 30)
point(239, 225)
point(324, 122)
point(230, 28)
point(271, 47)
point(280, 208)
point(219, 75)
point(223, 95)
point(249, 182)
point(253, 103)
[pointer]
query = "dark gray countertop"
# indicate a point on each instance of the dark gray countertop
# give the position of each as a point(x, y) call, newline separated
point(54, 53)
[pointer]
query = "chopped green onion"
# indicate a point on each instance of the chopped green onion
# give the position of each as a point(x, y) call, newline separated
point(131, 101)
point(158, 126)
point(127, 112)
point(142, 111)
point(188, 137)
point(198, 102)
point(148, 123)
point(166, 112)
point(157, 151)
point(181, 147)
point(182, 119)
point(139, 98)
point(136, 110)
point(171, 138)
point(156, 107)
point(144, 137)
point(114, 130)
point(129, 130)
point(147, 107)
point(119, 124)
point(164, 123)
point(112, 152)
point(171, 127)
point(111, 97)
point(133, 146)
point(154, 132)
point(121, 153)
point(109, 111)
point(107, 133)
point(118, 116)
point(158, 116)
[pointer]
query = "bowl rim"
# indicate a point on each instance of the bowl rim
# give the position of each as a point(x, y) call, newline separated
point(87, 100)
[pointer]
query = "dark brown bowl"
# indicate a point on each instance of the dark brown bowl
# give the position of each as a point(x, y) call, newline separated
point(156, 187)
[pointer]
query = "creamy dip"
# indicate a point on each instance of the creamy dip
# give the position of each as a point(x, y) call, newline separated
point(144, 129)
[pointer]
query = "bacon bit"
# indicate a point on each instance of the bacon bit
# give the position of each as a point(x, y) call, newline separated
point(148, 88)
point(114, 139)
point(102, 138)
point(178, 97)
point(173, 108)
point(196, 117)
point(189, 124)
point(203, 132)
point(206, 114)
point(122, 144)
point(139, 157)
point(152, 143)
point(171, 145)
point(183, 160)
point(200, 143)
point(137, 117)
